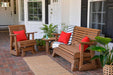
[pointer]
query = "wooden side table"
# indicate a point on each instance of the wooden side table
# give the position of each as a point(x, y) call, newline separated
point(47, 43)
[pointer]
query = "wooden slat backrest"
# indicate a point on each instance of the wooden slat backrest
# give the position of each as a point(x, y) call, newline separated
point(80, 32)
point(16, 28)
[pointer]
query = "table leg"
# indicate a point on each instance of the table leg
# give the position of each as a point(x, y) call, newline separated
point(47, 47)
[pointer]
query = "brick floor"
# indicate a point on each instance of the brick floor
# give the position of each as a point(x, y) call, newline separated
point(13, 65)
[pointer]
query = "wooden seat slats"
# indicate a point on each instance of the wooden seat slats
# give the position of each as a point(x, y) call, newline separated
point(70, 48)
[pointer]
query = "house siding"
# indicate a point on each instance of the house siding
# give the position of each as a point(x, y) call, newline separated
point(34, 26)
point(75, 12)
point(65, 11)
point(70, 12)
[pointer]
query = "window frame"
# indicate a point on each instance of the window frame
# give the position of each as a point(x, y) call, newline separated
point(28, 12)
point(88, 19)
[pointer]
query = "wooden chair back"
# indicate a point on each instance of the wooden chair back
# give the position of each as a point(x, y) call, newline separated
point(80, 32)
point(16, 28)
point(17, 47)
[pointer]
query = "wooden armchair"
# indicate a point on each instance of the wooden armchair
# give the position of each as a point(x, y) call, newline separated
point(79, 60)
point(16, 47)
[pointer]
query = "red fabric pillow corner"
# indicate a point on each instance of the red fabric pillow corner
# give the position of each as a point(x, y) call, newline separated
point(21, 35)
point(85, 39)
point(64, 37)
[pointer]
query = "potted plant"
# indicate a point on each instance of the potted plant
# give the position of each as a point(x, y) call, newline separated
point(48, 29)
point(40, 44)
point(106, 55)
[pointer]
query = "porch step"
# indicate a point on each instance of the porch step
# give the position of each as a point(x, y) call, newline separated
point(4, 28)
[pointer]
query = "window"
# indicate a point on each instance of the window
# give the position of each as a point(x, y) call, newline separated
point(1, 2)
point(34, 11)
point(97, 15)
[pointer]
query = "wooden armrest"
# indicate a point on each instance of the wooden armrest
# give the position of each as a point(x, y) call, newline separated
point(88, 43)
point(31, 32)
point(28, 34)
point(49, 39)
point(56, 34)
point(13, 34)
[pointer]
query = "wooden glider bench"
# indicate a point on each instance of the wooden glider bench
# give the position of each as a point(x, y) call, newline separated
point(79, 60)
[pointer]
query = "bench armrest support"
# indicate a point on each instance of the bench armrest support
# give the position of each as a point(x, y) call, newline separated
point(56, 36)
point(32, 33)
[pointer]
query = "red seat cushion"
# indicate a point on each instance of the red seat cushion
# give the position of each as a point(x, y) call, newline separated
point(85, 39)
point(64, 37)
point(21, 35)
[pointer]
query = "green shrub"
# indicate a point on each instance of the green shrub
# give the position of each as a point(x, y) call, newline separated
point(40, 42)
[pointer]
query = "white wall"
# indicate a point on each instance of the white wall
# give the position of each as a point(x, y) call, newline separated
point(70, 11)
point(65, 5)
point(55, 13)
point(34, 26)
point(16, 15)
point(19, 13)
point(75, 12)
point(7, 16)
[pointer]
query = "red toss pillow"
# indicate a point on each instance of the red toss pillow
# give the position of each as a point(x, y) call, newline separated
point(21, 35)
point(85, 39)
point(64, 37)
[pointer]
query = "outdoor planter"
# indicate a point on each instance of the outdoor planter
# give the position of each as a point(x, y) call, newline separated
point(108, 70)
point(40, 44)
point(106, 54)
point(40, 48)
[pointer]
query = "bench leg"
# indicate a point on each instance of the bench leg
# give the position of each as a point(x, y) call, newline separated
point(75, 65)
point(33, 51)
point(23, 53)
point(53, 54)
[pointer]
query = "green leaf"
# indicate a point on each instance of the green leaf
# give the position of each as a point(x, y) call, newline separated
point(106, 56)
point(112, 59)
point(112, 50)
point(106, 53)
point(103, 40)
point(40, 42)
point(109, 60)
point(48, 29)
point(101, 60)
point(104, 60)
point(95, 57)
point(96, 48)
